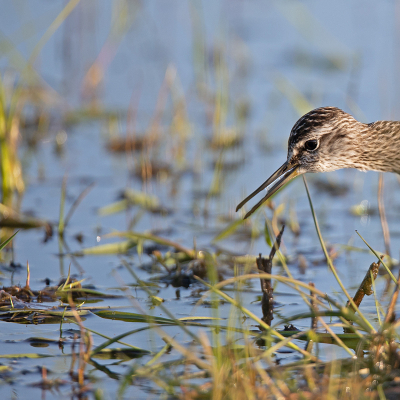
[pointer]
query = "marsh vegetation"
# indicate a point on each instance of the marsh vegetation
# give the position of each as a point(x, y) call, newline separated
point(129, 132)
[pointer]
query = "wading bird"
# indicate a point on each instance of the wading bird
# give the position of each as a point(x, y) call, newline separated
point(327, 139)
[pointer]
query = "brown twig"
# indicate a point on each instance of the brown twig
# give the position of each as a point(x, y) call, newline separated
point(85, 341)
point(366, 285)
point(264, 265)
point(365, 288)
point(314, 307)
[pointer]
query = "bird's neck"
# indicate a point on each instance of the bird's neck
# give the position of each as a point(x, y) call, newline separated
point(379, 147)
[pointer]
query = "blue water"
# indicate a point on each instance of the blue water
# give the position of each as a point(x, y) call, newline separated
point(279, 58)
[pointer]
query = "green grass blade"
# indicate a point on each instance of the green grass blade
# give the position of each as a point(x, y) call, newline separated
point(119, 337)
point(156, 239)
point(229, 230)
point(379, 259)
point(265, 326)
point(5, 243)
point(62, 206)
point(328, 259)
point(133, 317)
point(107, 249)
point(26, 355)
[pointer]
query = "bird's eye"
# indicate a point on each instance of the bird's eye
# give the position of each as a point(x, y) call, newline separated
point(311, 145)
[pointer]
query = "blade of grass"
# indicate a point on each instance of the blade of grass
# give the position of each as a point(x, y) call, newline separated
point(254, 317)
point(335, 337)
point(62, 205)
point(156, 239)
point(5, 243)
point(133, 317)
point(345, 322)
point(347, 313)
point(190, 355)
point(109, 339)
point(229, 230)
point(26, 355)
point(161, 306)
point(76, 203)
point(52, 28)
point(362, 250)
point(67, 280)
point(379, 258)
point(106, 249)
point(118, 338)
point(377, 305)
point(328, 259)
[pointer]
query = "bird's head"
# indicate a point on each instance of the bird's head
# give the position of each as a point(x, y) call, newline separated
point(320, 141)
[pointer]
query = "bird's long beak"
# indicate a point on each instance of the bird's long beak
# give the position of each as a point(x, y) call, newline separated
point(283, 175)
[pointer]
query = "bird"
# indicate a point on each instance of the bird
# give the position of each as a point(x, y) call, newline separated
point(328, 139)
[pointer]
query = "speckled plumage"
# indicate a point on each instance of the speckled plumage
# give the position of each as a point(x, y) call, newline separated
point(327, 139)
point(344, 142)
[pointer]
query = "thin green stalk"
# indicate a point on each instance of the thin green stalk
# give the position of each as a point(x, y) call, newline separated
point(213, 278)
point(381, 392)
point(328, 259)
point(110, 340)
point(376, 299)
point(117, 339)
point(165, 309)
point(379, 258)
point(283, 261)
point(269, 352)
point(61, 224)
point(254, 317)
point(181, 349)
point(5, 243)
point(330, 313)
point(62, 287)
point(166, 348)
point(346, 312)
point(61, 322)
point(335, 337)
point(52, 29)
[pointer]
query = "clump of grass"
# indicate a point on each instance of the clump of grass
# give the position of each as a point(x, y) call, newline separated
point(232, 367)
point(10, 167)
point(230, 364)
